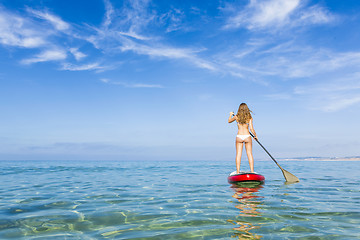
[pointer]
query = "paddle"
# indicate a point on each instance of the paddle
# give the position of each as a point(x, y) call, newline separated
point(289, 177)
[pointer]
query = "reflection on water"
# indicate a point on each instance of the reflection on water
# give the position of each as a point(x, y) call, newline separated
point(248, 202)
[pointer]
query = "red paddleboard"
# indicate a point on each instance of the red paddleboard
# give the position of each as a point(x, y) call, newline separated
point(245, 177)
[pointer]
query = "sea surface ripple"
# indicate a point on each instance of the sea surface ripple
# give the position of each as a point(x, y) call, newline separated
point(177, 200)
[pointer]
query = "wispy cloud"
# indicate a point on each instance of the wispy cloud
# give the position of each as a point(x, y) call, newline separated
point(275, 14)
point(124, 30)
point(77, 54)
point(161, 51)
point(129, 21)
point(311, 62)
point(279, 96)
point(109, 12)
point(137, 15)
point(19, 31)
point(173, 19)
point(83, 67)
point(56, 21)
point(332, 94)
point(287, 60)
point(29, 31)
point(131, 85)
point(48, 55)
point(326, 80)
point(138, 29)
point(344, 83)
point(340, 103)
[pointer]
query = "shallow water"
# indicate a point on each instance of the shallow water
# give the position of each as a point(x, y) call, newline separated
point(177, 200)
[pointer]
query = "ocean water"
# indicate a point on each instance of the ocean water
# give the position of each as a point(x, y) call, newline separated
point(177, 200)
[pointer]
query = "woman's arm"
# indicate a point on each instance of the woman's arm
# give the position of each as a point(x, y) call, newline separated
point(252, 128)
point(232, 117)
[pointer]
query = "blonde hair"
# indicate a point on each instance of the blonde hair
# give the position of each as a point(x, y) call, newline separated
point(243, 115)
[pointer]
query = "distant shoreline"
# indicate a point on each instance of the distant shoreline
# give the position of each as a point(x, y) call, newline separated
point(335, 159)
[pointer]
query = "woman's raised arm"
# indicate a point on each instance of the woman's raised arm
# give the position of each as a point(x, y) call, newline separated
point(232, 117)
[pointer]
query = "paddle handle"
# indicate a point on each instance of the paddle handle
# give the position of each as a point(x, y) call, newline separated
point(265, 150)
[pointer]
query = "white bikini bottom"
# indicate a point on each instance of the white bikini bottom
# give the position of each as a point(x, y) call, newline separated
point(243, 137)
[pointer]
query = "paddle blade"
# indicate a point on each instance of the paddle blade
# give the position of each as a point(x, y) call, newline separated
point(289, 177)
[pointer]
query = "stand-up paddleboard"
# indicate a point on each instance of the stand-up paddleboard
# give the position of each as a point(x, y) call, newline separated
point(245, 177)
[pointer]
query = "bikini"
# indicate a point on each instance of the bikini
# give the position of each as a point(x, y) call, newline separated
point(243, 137)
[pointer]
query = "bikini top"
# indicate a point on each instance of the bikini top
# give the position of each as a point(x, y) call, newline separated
point(240, 124)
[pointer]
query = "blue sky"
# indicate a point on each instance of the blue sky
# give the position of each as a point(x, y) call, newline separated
point(155, 80)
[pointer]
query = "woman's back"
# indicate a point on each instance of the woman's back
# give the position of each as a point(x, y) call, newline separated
point(243, 128)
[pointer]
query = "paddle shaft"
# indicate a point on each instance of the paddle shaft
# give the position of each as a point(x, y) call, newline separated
point(289, 177)
point(265, 150)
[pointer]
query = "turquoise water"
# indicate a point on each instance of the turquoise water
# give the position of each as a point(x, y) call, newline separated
point(177, 200)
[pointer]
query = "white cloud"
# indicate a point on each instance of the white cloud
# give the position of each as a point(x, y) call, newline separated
point(173, 19)
point(272, 12)
point(340, 103)
point(84, 67)
point(144, 85)
point(57, 22)
point(130, 29)
point(333, 93)
point(32, 42)
point(120, 25)
point(123, 30)
point(161, 51)
point(28, 31)
point(77, 54)
point(109, 12)
point(48, 55)
point(133, 19)
point(308, 64)
point(327, 80)
point(18, 31)
point(287, 60)
point(315, 15)
point(105, 80)
point(131, 85)
point(333, 85)
point(276, 14)
point(279, 96)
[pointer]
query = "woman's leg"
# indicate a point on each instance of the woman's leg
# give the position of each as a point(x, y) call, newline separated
point(239, 147)
point(248, 147)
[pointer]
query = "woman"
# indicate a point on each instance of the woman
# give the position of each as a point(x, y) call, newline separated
point(244, 122)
